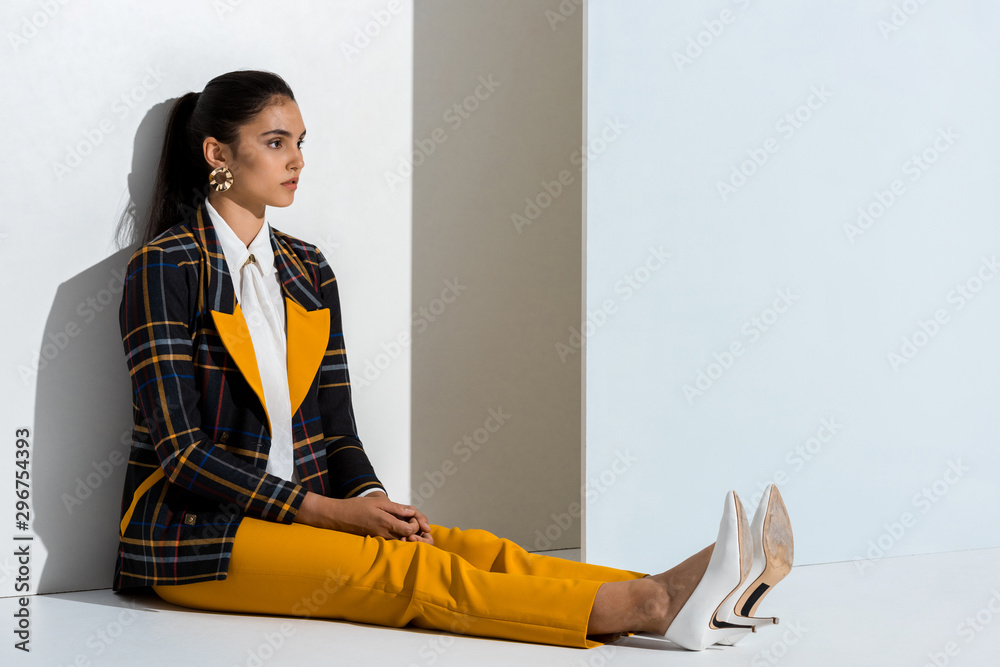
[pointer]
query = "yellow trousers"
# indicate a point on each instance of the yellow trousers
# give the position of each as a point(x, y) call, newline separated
point(468, 582)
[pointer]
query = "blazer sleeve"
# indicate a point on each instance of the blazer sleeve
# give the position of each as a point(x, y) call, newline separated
point(351, 472)
point(154, 316)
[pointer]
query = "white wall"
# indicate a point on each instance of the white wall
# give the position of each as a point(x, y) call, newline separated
point(83, 85)
point(874, 90)
point(496, 212)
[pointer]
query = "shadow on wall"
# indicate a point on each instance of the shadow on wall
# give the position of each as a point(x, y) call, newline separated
point(83, 401)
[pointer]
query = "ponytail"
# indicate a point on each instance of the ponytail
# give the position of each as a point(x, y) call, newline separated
point(229, 101)
point(177, 173)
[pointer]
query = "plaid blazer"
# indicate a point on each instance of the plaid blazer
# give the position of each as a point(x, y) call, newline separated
point(200, 438)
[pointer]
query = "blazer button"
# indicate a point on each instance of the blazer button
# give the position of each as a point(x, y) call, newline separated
point(190, 519)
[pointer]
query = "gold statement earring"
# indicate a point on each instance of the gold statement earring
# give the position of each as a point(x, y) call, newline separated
point(226, 175)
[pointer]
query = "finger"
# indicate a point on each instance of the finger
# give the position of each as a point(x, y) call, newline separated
point(419, 537)
point(402, 528)
point(400, 510)
point(425, 525)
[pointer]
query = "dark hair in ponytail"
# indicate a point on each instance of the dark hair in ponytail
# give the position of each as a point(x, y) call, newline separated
point(227, 102)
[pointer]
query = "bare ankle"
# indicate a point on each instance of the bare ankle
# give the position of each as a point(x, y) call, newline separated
point(650, 607)
point(675, 587)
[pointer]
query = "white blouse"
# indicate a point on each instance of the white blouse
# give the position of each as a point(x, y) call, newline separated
point(265, 319)
point(266, 322)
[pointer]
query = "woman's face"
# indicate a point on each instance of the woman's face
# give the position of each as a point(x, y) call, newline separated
point(268, 156)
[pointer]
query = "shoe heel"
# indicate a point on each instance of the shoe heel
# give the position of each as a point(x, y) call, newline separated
point(698, 623)
point(772, 560)
point(779, 552)
point(746, 563)
point(734, 638)
point(773, 555)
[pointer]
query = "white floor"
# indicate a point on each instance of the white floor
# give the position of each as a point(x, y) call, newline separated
point(941, 609)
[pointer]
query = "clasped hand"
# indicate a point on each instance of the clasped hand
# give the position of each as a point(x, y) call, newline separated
point(373, 515)
point(384, 518)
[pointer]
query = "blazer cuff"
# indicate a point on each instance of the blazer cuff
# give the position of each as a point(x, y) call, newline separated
point(292, 503)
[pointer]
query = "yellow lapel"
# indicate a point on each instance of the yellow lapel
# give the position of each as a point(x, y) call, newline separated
point(308, 338)
point(308, 335)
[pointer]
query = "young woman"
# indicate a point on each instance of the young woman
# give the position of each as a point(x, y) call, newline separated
point(248, 488)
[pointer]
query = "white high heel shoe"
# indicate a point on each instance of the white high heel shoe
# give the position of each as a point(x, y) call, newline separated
point(698, 624)
point(773, 553)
